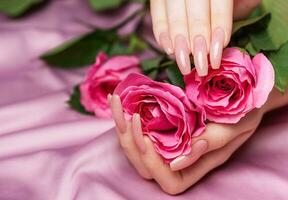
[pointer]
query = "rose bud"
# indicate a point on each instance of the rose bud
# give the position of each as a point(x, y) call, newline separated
point(237, 87)
point(168, 118)
point(102, 79)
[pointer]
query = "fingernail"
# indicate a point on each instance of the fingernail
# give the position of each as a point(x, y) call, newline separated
point(217, 45)
point(182, 55)
point(117, 113)
point(166, 43)
point(109, 97)
point(197, 150)
point(200, 55)
point(137, 133)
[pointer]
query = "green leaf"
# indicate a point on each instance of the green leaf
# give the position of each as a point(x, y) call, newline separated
point(239, 41)
point(263, 41)
point(81, 51)
point(74, 101)
point(174, 75)
point(275, 35)
point(252, 51)
point(117, 48)
point(151, 64)
point(15, 8)
point(279, 60)
point(252, 23)
point(102, 5)
point(153, 74)
point(242, 29)
point(140, 1)
point(257, 12)
point(136, 44)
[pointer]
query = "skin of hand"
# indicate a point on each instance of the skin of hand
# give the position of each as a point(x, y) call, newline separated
point(199, 27)
point(217, 144)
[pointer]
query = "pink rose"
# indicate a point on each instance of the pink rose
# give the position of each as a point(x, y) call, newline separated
point(228, 93)
point(168, 117)
point(102, 79)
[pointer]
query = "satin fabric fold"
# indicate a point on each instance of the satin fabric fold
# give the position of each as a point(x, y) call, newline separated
point(49, 152)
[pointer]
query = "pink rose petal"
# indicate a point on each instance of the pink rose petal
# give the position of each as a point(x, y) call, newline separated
point(239, 86)
point(102, 79)
point(171, 122)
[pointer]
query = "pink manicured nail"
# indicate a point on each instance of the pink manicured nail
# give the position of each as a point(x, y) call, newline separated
point(217, 45)
point(109, 97)
point(117, 113)
point(182, 54)
point(197, 150)
point(137, 133)
point(166, 43)
point(200, 55)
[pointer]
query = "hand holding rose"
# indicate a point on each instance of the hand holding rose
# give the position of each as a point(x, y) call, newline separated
point(226, 94)
point(233, 90)
point(222, 141)
point(161, 127)
point(168, 118)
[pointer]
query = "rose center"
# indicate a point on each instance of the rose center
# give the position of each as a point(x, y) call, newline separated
point(99, 92)
point(150, 111)
point(222, 84)
point(109, 87)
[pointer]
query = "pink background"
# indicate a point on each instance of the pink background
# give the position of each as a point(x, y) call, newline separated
point(49, 152)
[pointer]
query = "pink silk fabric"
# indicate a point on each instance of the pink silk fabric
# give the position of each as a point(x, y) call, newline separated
point(49, 152)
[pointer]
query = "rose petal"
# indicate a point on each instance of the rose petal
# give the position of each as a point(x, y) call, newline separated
point(265, 77)
point(171, 119)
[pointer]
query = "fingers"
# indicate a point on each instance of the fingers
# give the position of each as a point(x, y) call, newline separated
point(150, 165)
point(132, 153)
point(117, 113)
point(178, 30)
point(197, 150)
point(160, 25)
point(137, 133)
point(210, 161)
point(177, 182)
point(217, 136)
point(169, 181)
point(222, 17)
point(201, 27)
point(221, 26)
point(198, 13)
point(126, 138)
point(153, 162)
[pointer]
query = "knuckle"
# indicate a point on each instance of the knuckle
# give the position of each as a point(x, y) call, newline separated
point(199, 24)
point(159, 25)
point(149, 163)
point(221, 141)
point(219, 15)
point(125, 146)
point(178, 23)
point(173, 188)
point(145, 175)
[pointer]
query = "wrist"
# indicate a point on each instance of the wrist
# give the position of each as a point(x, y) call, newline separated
point(275, 100)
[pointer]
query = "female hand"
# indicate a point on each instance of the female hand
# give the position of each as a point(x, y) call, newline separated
point(199, 27)
point(209, 150)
